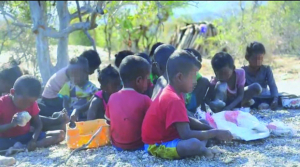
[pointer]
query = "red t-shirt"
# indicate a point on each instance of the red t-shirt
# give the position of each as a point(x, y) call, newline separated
point(168, 108)
point(8, 110)
point(126, 110)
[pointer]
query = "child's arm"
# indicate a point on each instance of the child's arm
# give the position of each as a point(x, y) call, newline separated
point(237, 100)
point(185, 133)
point(273, 87)
point(38, 126)
point(197, 125)
point(96, 105)
point(14, 123)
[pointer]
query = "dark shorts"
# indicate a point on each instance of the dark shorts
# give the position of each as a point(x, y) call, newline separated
point(49, 106)
point(6, 143)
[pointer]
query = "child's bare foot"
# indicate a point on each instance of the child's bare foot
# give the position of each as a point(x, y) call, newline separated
point(18, 147)
point(209, 154)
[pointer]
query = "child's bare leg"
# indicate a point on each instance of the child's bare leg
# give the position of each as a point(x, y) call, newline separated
point(193, 147)
point(55, 127)
point(200, 92)
point(52, 137)
point(250, 91)
point(220, 97)
point(56, 122)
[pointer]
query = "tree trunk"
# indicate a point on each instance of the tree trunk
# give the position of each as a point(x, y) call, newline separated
point(39, 19)
point(62, 47)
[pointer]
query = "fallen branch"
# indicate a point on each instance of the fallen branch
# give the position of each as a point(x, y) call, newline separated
point(82, 147)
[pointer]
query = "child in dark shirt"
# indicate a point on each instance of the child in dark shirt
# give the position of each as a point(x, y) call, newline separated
point(150, 83)
point(121, 55)
point(23, 97)
point(161, 56)
point(256, 72)
point(196, 98)
point(155, 74)
point(227, 90)
point(110, 82)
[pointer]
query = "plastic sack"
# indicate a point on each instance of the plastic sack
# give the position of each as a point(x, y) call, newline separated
point(24, 118)
point(278, 128)
point(7, 161)
point(242, 125)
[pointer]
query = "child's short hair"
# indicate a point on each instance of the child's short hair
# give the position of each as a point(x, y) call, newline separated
point(92, 57)
point(121, 55)
point(145, 56)
point(79, 60)
point(181, 61)
point(133, 67)
point(10, 72)
point(222, 59)
point(157, 44)
point(254, 48)
point(162, 54)
point(28, 85)
point(108, 73)
point(194, 53)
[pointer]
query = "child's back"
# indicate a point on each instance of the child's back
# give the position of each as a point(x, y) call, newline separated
point(126, 109)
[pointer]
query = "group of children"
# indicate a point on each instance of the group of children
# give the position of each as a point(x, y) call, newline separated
point(148, 100)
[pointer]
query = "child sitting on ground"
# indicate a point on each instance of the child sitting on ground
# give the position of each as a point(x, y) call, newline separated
point(79, 90)
point(9, 73)
point(261, 74)
point(167, 131)
point(121, 55)
point(227, 90)
point(150, 84)
point(161, 56)
point(50, 101)
point(110, 82)
point(155, 74)
point(23, 96)
point(196, 98)
point(126, 109)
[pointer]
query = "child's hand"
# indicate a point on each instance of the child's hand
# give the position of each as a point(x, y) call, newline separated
point(15, 120)
point(31, 146)
point(74, 116)
point(224, 135)
point(274, 104)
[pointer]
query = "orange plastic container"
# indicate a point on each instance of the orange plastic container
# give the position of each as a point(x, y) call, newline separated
point(83, 132)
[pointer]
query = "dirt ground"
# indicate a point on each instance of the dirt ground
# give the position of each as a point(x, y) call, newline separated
point(272, 151)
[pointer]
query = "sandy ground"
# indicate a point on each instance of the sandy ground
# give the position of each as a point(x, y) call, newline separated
point(273, 151)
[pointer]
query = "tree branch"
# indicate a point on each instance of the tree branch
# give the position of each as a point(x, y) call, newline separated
point(85, 30)
point(84, 11)
point(16, 22)
point(50, 32)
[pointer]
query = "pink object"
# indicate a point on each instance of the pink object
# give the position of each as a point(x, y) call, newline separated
point(240, 81)
point(271, 127)
point(100, 96)
point(210, 120)
point(231, 116)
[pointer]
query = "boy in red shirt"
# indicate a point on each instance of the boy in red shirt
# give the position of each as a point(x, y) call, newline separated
point(23, 96)
point(126, 108)
point(167, 131)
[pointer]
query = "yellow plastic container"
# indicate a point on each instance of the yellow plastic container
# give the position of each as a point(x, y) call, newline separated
point(84, 131)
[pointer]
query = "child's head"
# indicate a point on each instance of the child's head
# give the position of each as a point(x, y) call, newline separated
point(157, 44)
point(182, 68)
point(109, 80)
point(223, 66)
point(161, 56)
point(255, 54)
point(9, 73)
point(134, 72)
point(121, 55)
point(145, 56)
point(78, 70)
point(194, 53)
point(26, 91)
point(93, 59)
